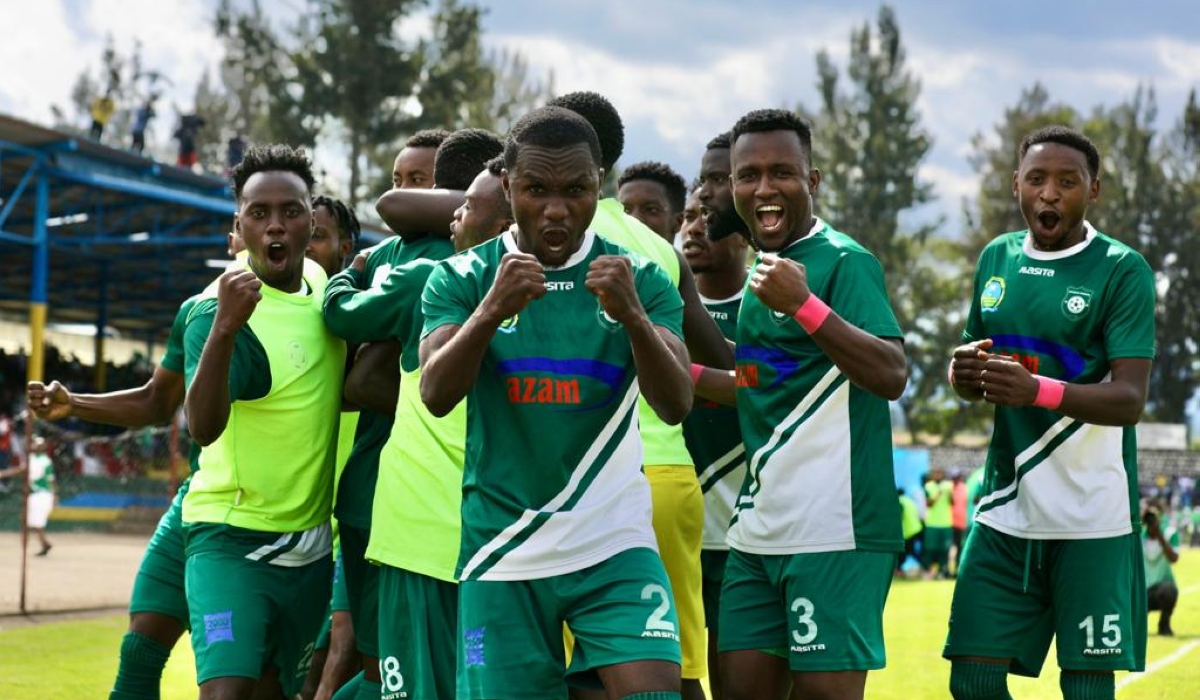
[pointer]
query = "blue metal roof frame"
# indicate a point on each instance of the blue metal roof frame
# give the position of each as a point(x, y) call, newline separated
point(127, 238)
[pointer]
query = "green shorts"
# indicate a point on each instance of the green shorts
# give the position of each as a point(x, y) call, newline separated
point(712, 567)
point(362, 588)
point(1013, 595)
point(340, 602)
point(247, 615)
point(824, 610)
point(158, 586)
point(511, 632)
point(417, 633)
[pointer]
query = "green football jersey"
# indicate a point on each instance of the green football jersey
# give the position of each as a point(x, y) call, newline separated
point(357, 312)
point(1064, 315)
point(41, 473)
point(662, 444)
point(714, 439)
point(553, 477)
point(172, 359)
point(418, 499)
point(820, 449)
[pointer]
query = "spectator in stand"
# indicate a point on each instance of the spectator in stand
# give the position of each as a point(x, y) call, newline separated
point(958, 514)
point(189, 129)
point(1160, 549)
point(6, 431)
point(141, 120)
point(102, 110)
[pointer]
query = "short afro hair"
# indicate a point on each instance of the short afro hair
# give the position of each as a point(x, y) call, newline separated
point(774, 120)
point(427, 138)
point(462, 156)
point(1068, 137)
point(661, 173)
point(550, 127)
point(603, 117)
point(720, 141)
point(495, 166)
point(344, 216)
point(271, 158)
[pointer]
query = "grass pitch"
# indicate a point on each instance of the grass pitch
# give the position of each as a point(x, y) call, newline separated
point(78, 658)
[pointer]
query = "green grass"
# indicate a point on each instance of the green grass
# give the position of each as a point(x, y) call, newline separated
point(78, 659)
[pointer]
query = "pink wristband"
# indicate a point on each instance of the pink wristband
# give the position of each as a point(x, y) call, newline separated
point(1050, 393)
point(696, 371)
point(811, 314)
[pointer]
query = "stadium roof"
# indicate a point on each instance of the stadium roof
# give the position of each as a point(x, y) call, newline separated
point(127, 238)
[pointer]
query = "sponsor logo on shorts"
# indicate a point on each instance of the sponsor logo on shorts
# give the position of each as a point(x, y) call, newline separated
point(1101, 652)
point(218, 627)
point(473, 646)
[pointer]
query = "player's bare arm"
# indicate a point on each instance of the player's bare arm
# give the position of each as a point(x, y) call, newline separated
point(966, 364)
point(374, 381)
point(152, 403)
point(409, 211)
point(1119, 402)
point(451, 355)
point(660, 357)
point(717, 385)
point(208, 400)
point(705, 343)
point(872, 363)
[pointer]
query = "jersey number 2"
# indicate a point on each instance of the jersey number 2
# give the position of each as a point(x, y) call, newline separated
point(656, 621)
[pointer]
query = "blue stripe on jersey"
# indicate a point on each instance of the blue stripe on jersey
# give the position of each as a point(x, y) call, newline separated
point(1072, 362)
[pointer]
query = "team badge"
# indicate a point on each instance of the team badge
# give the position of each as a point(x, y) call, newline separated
point(607, 322)
point(296, 355)
point(992, 295)
point(1076, 302)
point(509, 325)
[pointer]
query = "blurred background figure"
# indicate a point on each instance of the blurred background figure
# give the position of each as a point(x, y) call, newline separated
point(1160, 549)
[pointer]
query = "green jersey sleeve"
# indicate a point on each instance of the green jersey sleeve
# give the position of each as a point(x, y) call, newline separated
point(358, 315)
point(860, 297)
point(172, 359)
point(448, 298)
point(660, 298)
point(1129, 326)
point(973, 331)
point(249, 370)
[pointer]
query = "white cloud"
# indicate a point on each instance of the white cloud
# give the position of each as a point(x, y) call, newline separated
point(42, 57)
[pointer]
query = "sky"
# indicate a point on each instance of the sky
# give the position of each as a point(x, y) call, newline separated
point(682, 71)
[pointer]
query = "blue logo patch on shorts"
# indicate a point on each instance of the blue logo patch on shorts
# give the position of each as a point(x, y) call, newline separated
point(218, 627)
point(473, 646)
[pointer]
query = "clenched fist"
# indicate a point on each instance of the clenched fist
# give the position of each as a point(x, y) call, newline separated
point(519, 281)
point(237, 296)
point(610, 278)
point(779, 283)
point(51, 402)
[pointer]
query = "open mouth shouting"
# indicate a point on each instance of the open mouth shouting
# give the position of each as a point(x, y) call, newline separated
point(277, 255)
point(770, 219)
point(1048, 221)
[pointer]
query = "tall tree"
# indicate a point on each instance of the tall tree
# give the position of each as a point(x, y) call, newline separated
point(356, 69)
point(869, 145)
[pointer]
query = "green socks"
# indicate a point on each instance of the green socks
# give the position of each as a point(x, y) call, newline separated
point(1088, 686)
point(971, 680)
point(140, 671)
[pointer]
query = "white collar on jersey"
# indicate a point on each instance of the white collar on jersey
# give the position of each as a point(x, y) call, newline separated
point(1088, 234)
point(509, 238)
point(817, 226)
point(736, 296)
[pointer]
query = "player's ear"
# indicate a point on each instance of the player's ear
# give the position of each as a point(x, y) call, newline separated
point(506, 184)
point(1094, 190)
point(814, 180)
point(1016, 188)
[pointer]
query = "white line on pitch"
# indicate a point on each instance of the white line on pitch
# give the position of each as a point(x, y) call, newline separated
point(1159, 665)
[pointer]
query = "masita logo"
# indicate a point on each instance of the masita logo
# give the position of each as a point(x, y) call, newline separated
point(992, 294)
point(560, 285)
point(1036, 271)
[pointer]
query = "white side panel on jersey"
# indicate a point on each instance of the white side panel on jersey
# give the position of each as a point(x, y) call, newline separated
point(613, 515)
point(804, 502)
point(719, 500)
point(1080, 491)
